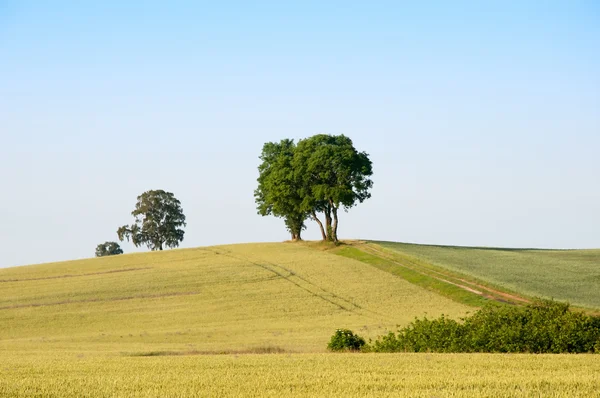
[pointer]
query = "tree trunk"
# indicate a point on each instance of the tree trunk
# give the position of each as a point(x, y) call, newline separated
point(328, 226)
point(335, 223)
point(331, 233)
point(314, 217)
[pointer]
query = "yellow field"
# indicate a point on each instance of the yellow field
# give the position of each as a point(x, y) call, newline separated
point(149, 325)
point(235, 297)
point(305, 375)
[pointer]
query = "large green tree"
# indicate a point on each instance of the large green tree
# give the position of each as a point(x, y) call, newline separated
point(158, 222)
point(321, 174)
point(278, 189)
point(332, 175)
point(108, 249)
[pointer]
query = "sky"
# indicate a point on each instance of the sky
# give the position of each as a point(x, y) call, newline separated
point(482, 119)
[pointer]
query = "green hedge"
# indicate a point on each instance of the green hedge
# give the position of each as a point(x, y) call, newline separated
point(542, 327)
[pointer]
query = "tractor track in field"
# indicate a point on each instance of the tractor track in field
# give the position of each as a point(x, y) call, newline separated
point(287, 274)
point(99, 300)
point(470, 286)
point(74, 275)
point(348, 302)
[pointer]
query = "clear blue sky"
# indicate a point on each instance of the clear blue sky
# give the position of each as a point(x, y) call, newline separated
point(482, 119)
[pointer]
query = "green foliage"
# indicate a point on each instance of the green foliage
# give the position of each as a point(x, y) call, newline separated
point(323, 173)
point(158, 221)
point(332, 170)
point(108, 249)
point(277, 193)
point(345, 340)
point(542, 327)
point(332, 174)
point(423, 335)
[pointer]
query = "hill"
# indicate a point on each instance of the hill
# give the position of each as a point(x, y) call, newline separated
point(190, 322)
point(229, 298)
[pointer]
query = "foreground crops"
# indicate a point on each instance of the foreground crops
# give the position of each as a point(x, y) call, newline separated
point(308, 375)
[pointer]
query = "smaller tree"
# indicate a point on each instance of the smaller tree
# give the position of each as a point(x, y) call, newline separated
point(277, 191)
point(158, 221)
point(108, 249)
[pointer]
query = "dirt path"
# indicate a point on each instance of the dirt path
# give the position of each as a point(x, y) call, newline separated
point(470, 286)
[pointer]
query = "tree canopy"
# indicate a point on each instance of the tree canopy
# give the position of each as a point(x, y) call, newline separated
point(278, 190)
point(158, 222)
point(108, 249)
point(321, 174)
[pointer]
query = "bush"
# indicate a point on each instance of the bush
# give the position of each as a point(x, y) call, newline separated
point(542, 327)
point(108, 249)
point(423, 335)
point(345, 340)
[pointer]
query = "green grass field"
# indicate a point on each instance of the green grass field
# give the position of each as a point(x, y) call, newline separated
point(566, 275)
point(242, 320)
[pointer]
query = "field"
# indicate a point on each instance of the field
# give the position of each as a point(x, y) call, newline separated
point(239, 297)
point(303, 375)
point(567, 275)
point(242, 320)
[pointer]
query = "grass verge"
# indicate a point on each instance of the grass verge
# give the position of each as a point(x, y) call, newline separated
point(455, 287)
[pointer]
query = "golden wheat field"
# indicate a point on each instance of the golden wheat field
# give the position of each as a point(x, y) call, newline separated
point(241, 320)
point(235, 297)
point(302, 375)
